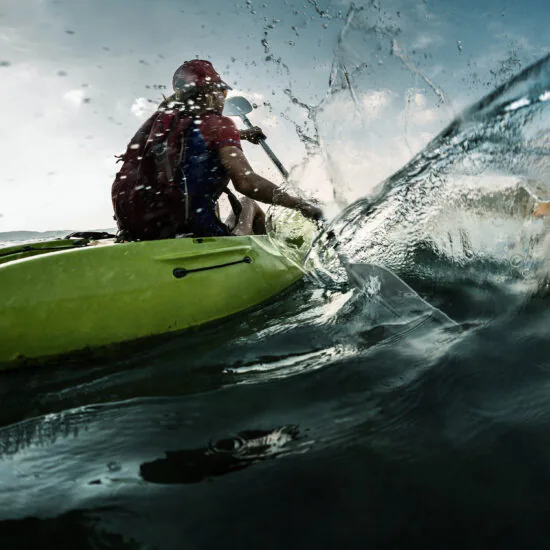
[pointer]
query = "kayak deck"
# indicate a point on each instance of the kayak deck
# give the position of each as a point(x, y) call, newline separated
point(69, 300)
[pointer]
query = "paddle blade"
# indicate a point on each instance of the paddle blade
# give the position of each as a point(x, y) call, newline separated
point(237, 106)
point(394, 297)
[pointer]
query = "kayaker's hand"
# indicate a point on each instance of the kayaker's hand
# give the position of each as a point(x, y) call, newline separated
point(254, 134)
point(311, 211)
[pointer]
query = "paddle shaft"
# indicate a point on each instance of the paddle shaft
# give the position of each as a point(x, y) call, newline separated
point(267, 149)
point(321, 224)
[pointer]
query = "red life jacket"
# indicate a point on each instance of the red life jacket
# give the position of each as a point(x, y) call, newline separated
point(146, 196)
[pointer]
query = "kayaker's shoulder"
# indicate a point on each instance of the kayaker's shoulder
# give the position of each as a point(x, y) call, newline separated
point(220, 131)
point(214, 120)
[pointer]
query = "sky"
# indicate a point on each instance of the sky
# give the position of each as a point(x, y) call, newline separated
point(346, 92)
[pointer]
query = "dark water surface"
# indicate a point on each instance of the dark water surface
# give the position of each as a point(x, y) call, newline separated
point(296, 426)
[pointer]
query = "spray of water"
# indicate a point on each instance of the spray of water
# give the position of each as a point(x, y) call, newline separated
point(469, 194)
point(466, 196)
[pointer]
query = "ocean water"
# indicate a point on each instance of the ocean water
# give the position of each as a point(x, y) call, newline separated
point(310, 423)
point(341, 415)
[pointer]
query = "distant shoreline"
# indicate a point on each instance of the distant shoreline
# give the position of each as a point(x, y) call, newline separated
point(7, 236)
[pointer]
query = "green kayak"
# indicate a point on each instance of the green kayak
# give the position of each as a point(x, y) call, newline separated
point(70, 295)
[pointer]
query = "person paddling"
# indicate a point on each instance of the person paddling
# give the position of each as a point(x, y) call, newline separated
point(181, 160)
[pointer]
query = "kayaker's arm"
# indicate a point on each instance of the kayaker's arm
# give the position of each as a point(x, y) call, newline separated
point(247, 182)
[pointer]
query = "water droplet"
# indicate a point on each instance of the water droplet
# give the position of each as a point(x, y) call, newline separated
point(114, 466)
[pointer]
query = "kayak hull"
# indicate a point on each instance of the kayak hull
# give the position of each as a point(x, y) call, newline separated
point(67, 301)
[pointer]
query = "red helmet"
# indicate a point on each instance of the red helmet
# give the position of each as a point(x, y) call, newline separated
point(197, 73)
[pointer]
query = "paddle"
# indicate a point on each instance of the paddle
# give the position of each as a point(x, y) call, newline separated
point(392, 294)
point(240, 106)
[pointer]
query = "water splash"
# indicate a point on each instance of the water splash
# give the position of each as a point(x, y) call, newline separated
point(378, 110)
point(467, 194)
point(465, 197)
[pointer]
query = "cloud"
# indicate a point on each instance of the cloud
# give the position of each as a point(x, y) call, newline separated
point(269, 121)
point(142, 107)
point(419, 111)
point(14, 40)
point(376, 101)
point(76, 97)
point(425, 41)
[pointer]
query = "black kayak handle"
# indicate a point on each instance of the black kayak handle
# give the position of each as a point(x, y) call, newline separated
point(181, 272)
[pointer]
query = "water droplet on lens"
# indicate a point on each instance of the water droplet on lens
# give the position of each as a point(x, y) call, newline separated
point(114, 466)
